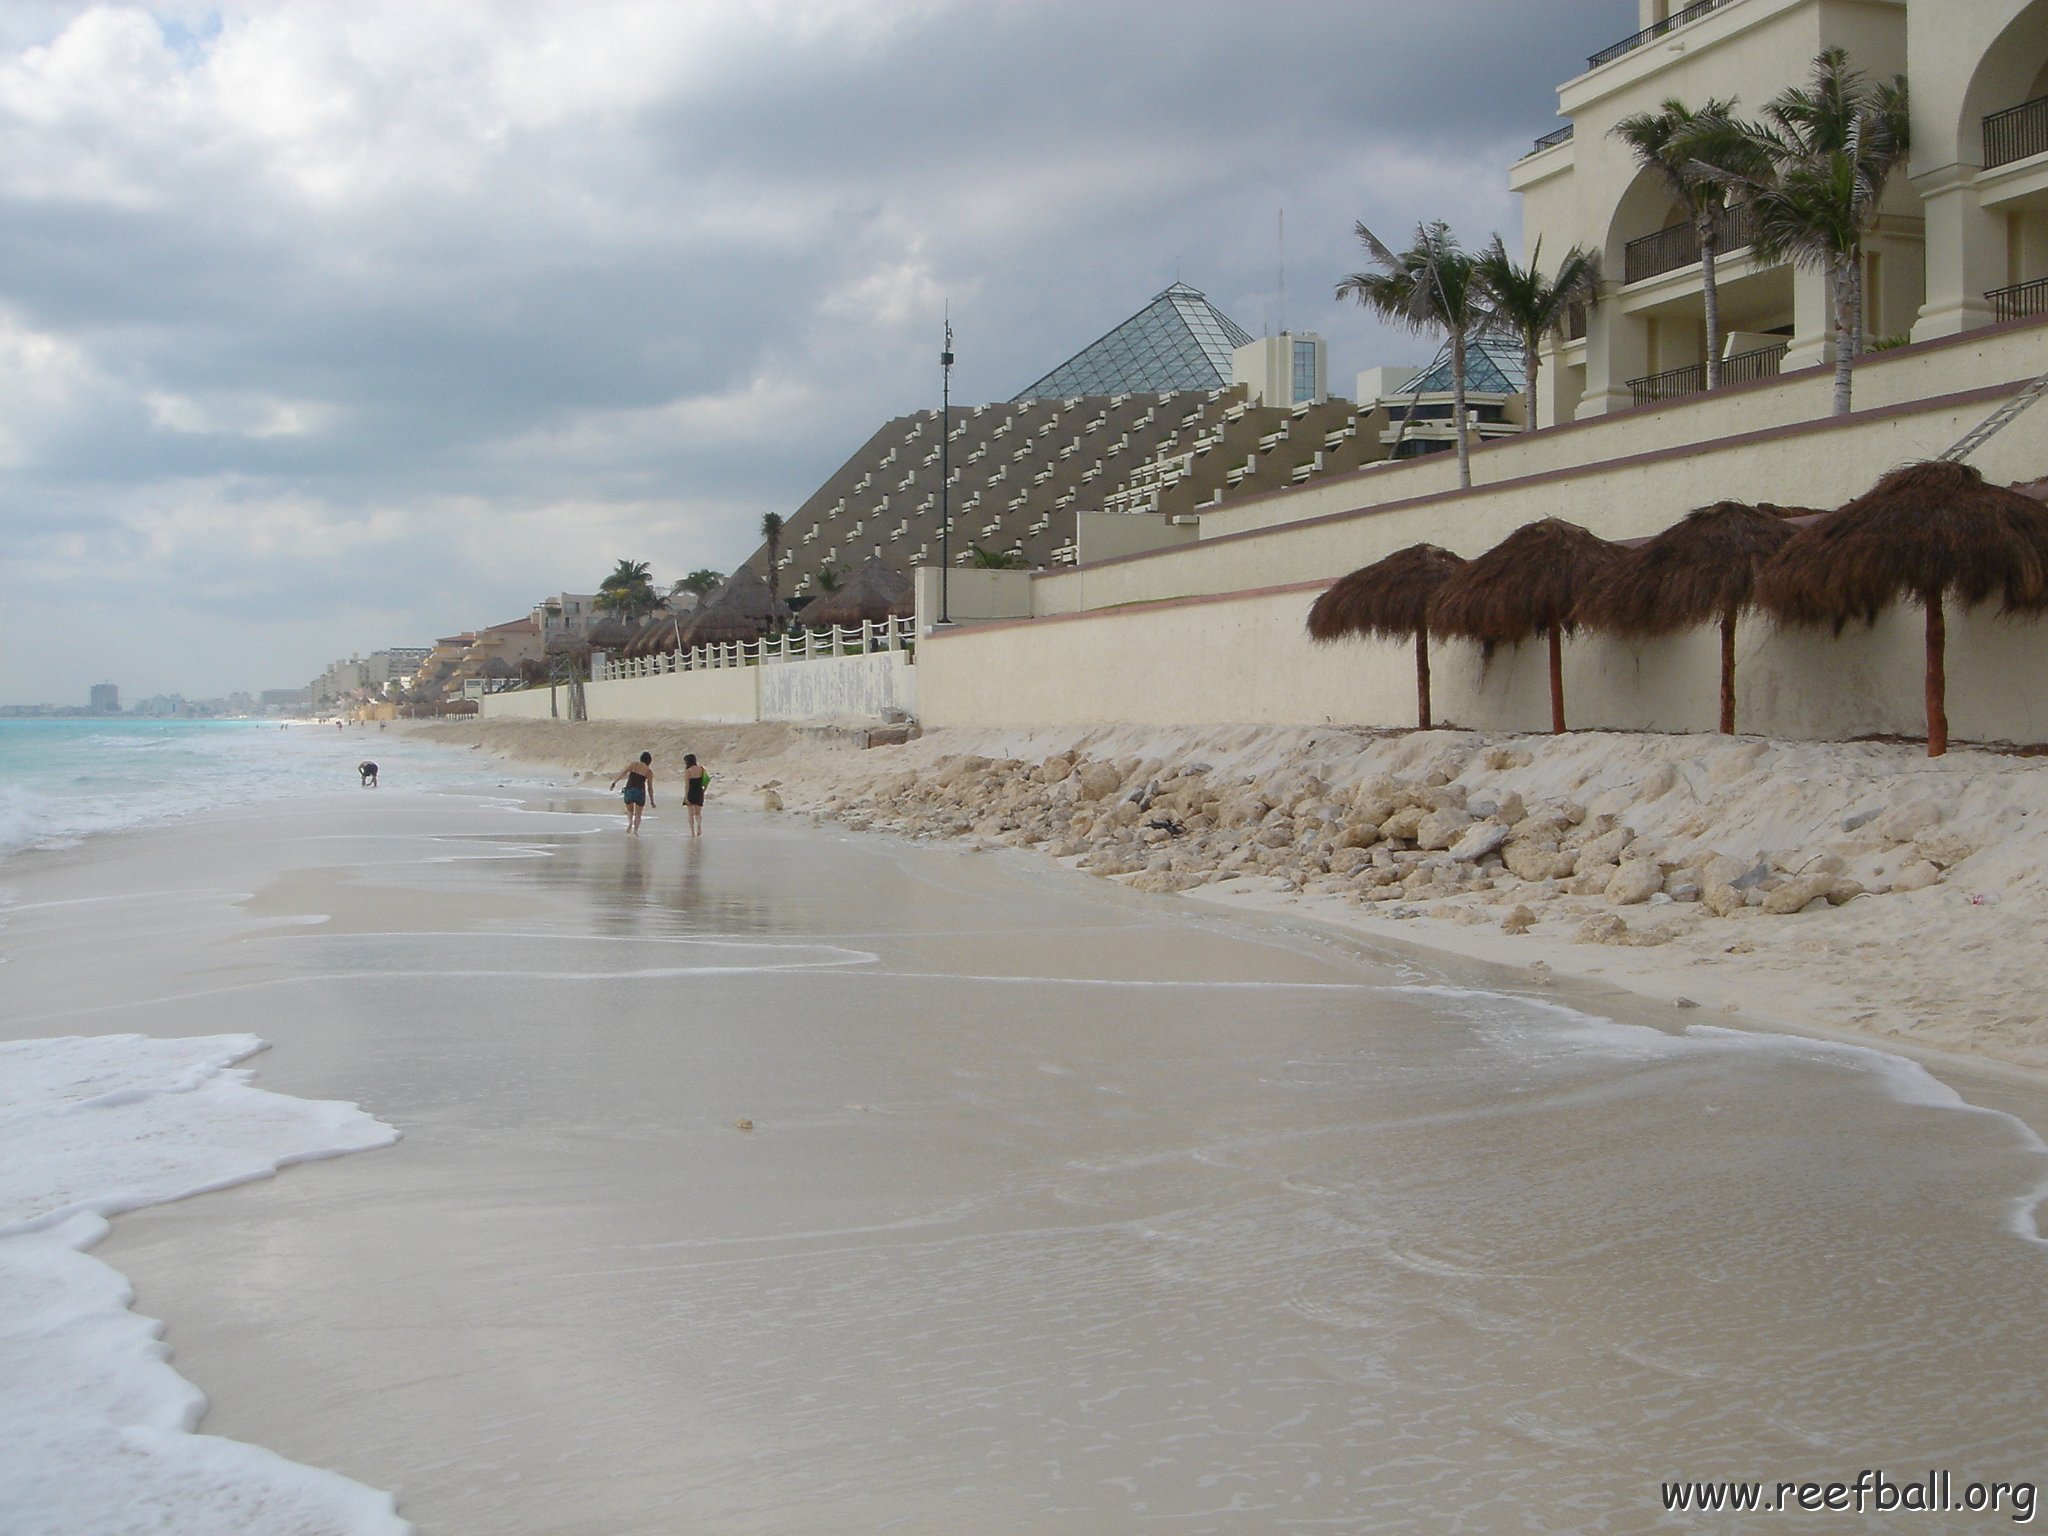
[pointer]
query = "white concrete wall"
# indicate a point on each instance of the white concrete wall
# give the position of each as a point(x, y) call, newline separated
point(1112, 535)
point(720, 693)
point(526, 704)
point(839, 688)
point(1248, 659)
point(973, 595)
point(829, 688)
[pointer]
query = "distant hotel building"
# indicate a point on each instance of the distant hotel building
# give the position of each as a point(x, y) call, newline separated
point(106, 699)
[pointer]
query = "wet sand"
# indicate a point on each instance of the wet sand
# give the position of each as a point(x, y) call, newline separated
point(1064, 1208)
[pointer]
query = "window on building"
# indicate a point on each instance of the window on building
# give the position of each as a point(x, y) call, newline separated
point(1304, 372)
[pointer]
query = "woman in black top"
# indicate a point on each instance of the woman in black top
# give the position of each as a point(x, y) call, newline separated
point(694, 780)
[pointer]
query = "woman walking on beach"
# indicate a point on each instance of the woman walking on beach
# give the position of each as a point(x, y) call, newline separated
point(695, 777)
point(639, 779)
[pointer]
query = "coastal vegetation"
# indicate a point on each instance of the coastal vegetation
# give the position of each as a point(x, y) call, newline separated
point(1523, 303)
point(628, 592)
point(1697, 154)
point(1430, 287)
point(1825, 152)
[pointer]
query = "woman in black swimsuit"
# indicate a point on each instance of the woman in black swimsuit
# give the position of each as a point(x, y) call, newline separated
point(694, 780)
point(639, 779)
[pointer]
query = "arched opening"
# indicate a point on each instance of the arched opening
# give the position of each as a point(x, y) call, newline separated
point(2011, 77)
point(2005, 115)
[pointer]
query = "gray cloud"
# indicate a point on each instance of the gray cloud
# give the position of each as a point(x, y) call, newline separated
point(330, 327)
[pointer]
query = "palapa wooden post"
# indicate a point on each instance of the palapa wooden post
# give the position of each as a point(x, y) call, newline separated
point(1937, 677)
point(1728, 671)
point(1556, 639)
point(1422, 679)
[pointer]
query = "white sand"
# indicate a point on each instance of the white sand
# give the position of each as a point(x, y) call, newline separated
point(1949, 967)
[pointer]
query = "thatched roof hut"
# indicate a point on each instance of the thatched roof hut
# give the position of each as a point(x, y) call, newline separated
point(1389, 600)
point(659, 633)
point(740, 610)
point(1700, 570)
point(1527, 585)
point(611, 634)
point(1926, 532)
point(872, 593)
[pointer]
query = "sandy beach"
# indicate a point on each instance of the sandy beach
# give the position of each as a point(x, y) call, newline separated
point(803, 1181)
point(1854, 889)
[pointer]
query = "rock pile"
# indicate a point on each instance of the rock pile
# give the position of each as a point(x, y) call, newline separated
point(1414, 844)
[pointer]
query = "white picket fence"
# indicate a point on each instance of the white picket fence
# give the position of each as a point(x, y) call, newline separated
point(793, 645)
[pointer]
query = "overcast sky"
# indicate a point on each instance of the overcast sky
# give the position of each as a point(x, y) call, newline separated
point(339, 324)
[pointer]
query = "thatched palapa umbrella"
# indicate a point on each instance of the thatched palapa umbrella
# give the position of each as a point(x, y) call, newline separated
point(1528, 584)
point(1389, 600)
point(741, 610)
point(1700, 570)
point(871, 594)
point(1927, 532)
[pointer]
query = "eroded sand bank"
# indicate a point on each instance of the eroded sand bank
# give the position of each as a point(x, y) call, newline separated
point(1857, 888)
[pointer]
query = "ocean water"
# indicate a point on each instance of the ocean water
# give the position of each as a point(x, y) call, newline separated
point(62, 781)
point(97, 1430)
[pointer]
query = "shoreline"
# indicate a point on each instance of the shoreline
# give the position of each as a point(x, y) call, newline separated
point(1913, 885)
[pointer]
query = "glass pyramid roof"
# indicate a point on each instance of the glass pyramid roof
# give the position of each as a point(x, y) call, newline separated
point(1178, 341)
point(1493, 366)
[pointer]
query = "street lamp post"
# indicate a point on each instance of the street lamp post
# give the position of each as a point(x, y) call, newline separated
point(945, 470)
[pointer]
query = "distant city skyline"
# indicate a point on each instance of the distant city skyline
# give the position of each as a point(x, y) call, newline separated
point(325, 328)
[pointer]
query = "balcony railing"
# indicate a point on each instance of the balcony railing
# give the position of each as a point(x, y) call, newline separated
point(1651, 34)
point(1739, 369)
point(1551, 139)
point(1679, 246)
point(2016, 133)
point(2021, 300)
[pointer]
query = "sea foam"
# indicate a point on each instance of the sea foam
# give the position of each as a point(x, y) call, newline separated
point(96, 1429)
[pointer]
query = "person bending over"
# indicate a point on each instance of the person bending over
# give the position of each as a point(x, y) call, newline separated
point(369, 772)
point(639, 779)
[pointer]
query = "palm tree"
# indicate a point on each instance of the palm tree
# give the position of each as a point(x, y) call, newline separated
point(1528, 306)
point(1431, 286)
point(1696, 154)
point(700, 581)
point(1828, 147)
point(628, 592)
point(771, 530)
point(983, 559)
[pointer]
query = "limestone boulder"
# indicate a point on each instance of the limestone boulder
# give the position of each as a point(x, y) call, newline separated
point(1606, 848)
point(1721, 898)
point(1441, 828)
point(1403, 823)
point(1593, 880)
point(1478, 840)
point(1797, 892)
point(1908, 823)
point(1944, 850)
point(1528, 860)
point(1097, 780)
point(1602, 930)
point(1635, 882)
point(1916, 876)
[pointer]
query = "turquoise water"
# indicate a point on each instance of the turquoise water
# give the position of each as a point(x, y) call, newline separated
point(65, 780)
